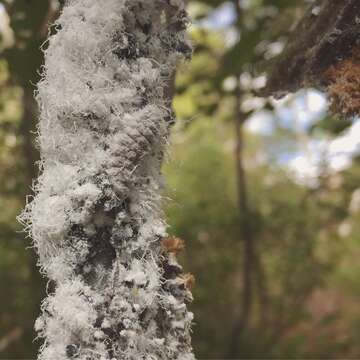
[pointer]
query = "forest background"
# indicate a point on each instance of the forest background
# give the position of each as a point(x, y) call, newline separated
point(264, 192)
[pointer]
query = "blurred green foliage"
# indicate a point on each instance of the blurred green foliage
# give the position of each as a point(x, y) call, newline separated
point(306, 287)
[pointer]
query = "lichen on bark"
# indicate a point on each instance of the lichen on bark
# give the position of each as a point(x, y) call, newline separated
point(325, 36)
point(96, 219)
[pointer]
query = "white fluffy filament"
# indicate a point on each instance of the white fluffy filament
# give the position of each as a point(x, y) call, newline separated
point(96, 219)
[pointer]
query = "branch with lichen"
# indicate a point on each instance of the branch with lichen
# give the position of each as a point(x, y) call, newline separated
point(320, 51)
point(96, 219)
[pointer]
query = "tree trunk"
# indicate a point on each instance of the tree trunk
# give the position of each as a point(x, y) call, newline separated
point(96, 219)
point(241, 323)
point(249, 254)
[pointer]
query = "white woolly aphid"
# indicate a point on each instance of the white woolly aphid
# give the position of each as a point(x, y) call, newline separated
point(96, 220)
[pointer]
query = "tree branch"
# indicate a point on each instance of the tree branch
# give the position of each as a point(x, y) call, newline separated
point(326, 35)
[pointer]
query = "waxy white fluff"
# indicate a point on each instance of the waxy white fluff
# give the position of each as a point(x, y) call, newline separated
point(96, 219)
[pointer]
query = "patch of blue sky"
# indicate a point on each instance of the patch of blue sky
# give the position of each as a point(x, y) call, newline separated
point(303, 111)
point(298, 113)
point(285, 157)
point(304, 160)
point(305, 163)
point(220, 18)
point(261, 123)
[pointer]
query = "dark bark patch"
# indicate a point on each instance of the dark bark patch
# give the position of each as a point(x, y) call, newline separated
point(72, 351)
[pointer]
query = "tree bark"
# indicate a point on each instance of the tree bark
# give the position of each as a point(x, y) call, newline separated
point(325, 36)
point(96, 219)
